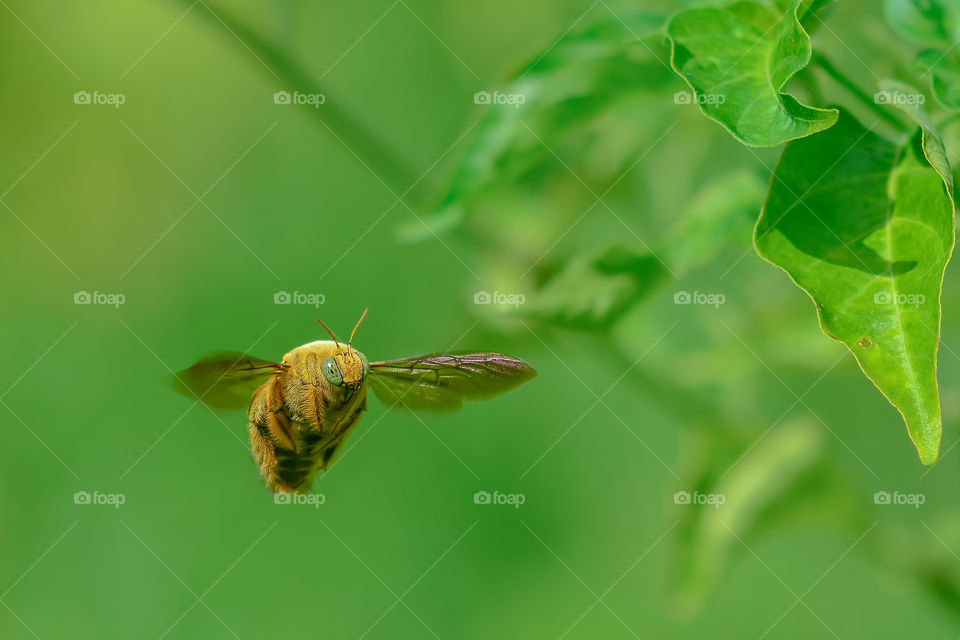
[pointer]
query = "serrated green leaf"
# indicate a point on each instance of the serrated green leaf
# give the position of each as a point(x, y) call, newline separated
point(719, 214)
point(737, 60)
point(944, 70)
point(866, 228)
point(581, 78)
point(594, 290)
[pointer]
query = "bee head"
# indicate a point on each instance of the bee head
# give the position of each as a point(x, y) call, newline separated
point(347, 367)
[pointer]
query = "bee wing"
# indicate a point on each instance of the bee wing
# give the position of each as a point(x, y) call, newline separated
point(224, 380)
point(442, 381)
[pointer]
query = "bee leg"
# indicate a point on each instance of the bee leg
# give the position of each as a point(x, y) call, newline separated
point(330, 451)
point(271, 437)
point(261, 441)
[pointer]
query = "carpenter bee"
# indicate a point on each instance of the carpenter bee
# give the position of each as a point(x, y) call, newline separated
point(302, 409)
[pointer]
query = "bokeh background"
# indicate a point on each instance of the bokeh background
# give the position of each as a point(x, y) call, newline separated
point(199, 199)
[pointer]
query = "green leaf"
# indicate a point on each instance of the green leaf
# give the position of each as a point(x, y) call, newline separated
point(944, 71)
point(593, 291)
point(866, 228)
point(924, 22)
point(737, 60)
point(584, 77)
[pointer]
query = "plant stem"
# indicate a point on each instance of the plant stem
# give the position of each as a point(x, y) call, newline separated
point(848, 84)
point(368, 146)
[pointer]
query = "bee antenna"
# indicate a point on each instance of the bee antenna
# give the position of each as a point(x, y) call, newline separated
point(357, 326)
point(330, 332)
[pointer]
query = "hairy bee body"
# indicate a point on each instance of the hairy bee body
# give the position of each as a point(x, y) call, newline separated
point(298, 419)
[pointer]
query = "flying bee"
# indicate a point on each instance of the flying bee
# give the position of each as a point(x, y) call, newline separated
point(302, 409)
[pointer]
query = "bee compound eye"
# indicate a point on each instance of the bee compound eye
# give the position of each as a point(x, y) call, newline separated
point(331, 371)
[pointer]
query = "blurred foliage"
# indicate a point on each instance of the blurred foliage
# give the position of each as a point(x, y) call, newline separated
point(732, 85)
point(583, 81)
point(594, 289)
point(602, 198)
point(753, 481)
point(924, 22)
point(944, 70)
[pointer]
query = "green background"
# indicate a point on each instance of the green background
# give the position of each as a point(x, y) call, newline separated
point(104, 199)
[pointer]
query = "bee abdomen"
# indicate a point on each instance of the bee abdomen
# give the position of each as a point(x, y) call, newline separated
point(294, 468)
